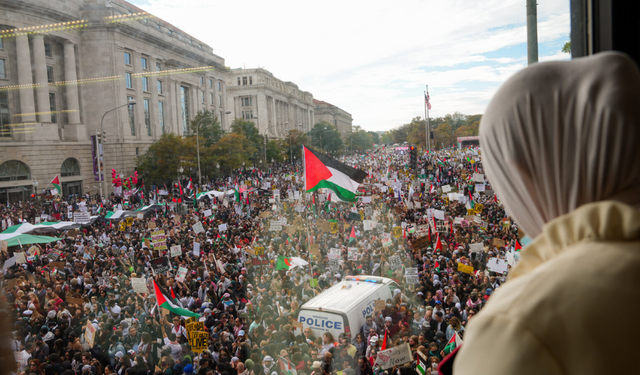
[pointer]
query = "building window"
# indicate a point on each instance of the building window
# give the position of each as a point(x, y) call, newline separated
point(184, 103)
point(137, 151)
point(161, 115)
point(1, 44)
point(238, 81)
point(220, 100)
point(3, 74)
point(221, 119)
point(159, 87)
point(132, 116)
point(143, 63)
point(201, 97)
point(147, 116)
point(219, 86)
point(244, 81)
point(127, 58)
point(251, 80)
point(202, 81)
point(247, 115)
point(158, 67)
point(50, 74)
point(52, 107)
point(14, 170)
point(47, 50)
point(247, 101)
point(145, 84)
point(211, 99)
point(128, 80)
point(69, 168)
point(210, 81)
point(5, 130)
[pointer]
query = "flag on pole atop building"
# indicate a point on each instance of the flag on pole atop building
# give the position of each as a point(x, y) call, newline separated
point(56, 184)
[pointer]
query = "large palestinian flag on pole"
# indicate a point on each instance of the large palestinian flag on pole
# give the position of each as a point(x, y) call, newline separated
point(322, 171)
point(56, 184)
point(165, 301)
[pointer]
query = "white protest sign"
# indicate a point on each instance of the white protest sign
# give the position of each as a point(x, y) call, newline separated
point(81, 217)
point(369, 224)
point(478, 177)
point(196, 249)
point(275, 226)
point(182, 273)
point(476, 247)
point(353, 253)
point(139, 285)
point(498, 265)
point(222, 227)
point(176, 251)
point(9, 262)
point(207, 213)
point(479, 187)
point(396, 356)
point(20, 258)
point(438, 214)
point(198, 228)
point(140, 216)
point(446, 188)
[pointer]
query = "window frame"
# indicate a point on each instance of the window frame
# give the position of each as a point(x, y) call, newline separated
point(159, 87)
point(127, 58)
point(52, 107)
point(145, 84)
point(132, 116)
point(147, 115)
point(144, 63)
point(128, 77)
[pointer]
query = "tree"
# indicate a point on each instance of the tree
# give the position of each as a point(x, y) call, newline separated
point(324, 136)
point(359, 139)
point(206, 124)
point(292, 144)
point(232, 150)
point(249, 130)
point(375, 137)
point(159, 165)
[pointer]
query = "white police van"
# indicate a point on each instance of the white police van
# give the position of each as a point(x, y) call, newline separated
point(344, 306)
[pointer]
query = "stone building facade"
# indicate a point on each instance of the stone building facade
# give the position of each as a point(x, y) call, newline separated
point(274, 105)
point(335, 116)
point(65, 65)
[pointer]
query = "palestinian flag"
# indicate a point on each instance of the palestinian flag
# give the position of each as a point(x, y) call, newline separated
point(283, 263)
point(436, 266)
point(322, 171)
point(455, 342)
point(190, 185)
point(518, 247)
point(422, 364)
point(56, 184)
point(352, 236)
point(165, 301)
point(236, 193)
point(438, 243)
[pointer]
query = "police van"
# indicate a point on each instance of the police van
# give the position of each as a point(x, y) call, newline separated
point(343, 307)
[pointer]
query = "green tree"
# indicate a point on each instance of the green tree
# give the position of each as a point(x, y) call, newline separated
point(387, 138)
point(375, 137)
point(206, 124)
point(325, 137)
point(292, 144)
point(249, 130)
point(232, 150)
point(159, 165)
point(359, 139)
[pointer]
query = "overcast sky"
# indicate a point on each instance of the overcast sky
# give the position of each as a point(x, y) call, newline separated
point(373, 59)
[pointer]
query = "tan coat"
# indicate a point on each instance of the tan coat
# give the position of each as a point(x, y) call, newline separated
point(570, 306)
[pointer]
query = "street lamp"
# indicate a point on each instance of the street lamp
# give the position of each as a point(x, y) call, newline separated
point(131, 102)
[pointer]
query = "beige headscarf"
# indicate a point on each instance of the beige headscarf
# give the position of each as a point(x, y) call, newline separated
point(562, 134)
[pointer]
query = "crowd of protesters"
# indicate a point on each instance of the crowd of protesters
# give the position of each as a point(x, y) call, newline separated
point(249, 307)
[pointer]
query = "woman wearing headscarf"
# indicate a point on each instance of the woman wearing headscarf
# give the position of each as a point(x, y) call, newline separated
point(560, 147)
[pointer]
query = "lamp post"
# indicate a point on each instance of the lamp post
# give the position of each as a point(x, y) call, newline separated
point(104, 160)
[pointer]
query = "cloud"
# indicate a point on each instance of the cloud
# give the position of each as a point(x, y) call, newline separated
point(373, 59)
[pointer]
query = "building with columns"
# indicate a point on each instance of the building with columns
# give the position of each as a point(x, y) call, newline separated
point(274, 105)
point(65, 66)
point(335, 116)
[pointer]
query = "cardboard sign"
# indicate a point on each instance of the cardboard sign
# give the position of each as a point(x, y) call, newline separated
point(464, 268)
point(57, 265)
point(324, 226)
point(420, 243)
point(139, 285)
point(160, 265)
point(20, 258)
point(379, 304)
point(3, 246)
point(75, 301)
point(396, 356)
point(296, 323)
point(90, 334)
point(498, 242)
point(314, 249)
point(397, 232)
point(199, 341)
point(151, 225)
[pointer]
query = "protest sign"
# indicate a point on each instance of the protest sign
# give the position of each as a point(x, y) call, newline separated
point(314, 249)
point(75, 301)
point(259, 250)
point(275, 226)
point(498, 242)
point(464, 268)
point(396, 356)
point(20, 258)
point(412, 279)
point(176, 251)
point(476, 247)
point(411, 271)
point(9, 262)
point(3, 246)
point(446, 188)
point(160, 265)
point(352, 253)
point(478, 177)
point(369, 224)
point(207, 213)
point(222, 227)
point(196, 249)
point(139, 285)
point(151, 225)
point(296, 323)
point(159, 240)
point(379, 304)
point(324, 226)
point(397, 232)
point(387, 241)
point(81, 217)
point(198, 228)
point(334, 227)
point(438, 214)
point(199, 341)
point(395, 262)
point(420, 243)
point(498, 265)
point(140, 216)
point(90, 334)
point(479, 187)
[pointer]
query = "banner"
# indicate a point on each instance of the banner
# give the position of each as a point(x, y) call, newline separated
point(396, 356)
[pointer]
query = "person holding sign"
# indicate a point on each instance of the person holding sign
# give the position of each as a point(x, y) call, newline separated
point(170, 340)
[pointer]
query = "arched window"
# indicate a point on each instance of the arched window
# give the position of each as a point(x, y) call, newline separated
point(70, 167)
point(14, 170)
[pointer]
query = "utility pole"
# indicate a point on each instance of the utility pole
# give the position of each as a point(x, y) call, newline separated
point(532, 31)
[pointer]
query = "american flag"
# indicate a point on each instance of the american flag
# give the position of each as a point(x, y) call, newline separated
point(426, 100)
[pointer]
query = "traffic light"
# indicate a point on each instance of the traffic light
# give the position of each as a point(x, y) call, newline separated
point(175, 189)
point(413, 163)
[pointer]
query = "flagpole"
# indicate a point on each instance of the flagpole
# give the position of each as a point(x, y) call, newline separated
point(426, 115)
